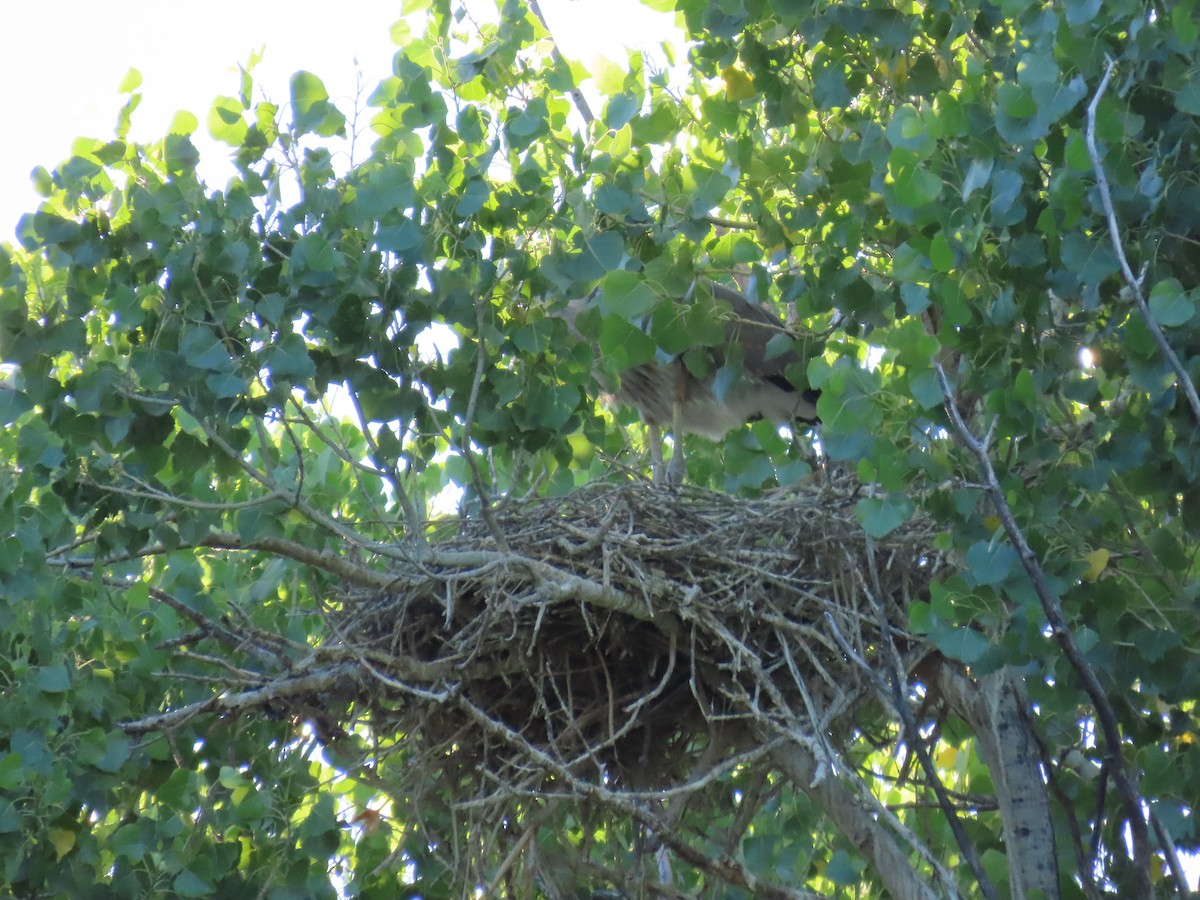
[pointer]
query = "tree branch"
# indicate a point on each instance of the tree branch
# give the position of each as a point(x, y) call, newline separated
point(897, 698)
point(726, 868)
point(276, 689)
point(485, 503)
point(856, 822)
point(577, 97)
point(1106, 715)
point(994, 709)
point(1114, 233)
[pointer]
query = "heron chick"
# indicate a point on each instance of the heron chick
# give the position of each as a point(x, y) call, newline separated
point(669, 395)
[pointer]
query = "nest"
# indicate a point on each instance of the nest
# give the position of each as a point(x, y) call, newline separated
point(616, 635)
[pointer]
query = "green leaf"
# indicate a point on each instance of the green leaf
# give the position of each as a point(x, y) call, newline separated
point(705, 188)
point(289, 359)
point(203, 350)
point(1080, 12)
point(231, 778)
point(915, 186)
point(307, 92)
point(130, 82)
point(977, 176)
point(12, 773)
point(314, 260)
point(920, 617)
point(1170, 304)
point(189, 884)
point(10, 818)
point(399, 237)
point(627, 295)
point(926, 389)
point(907, 131)
point(605, 250)
point(915, 297)
point(476, 195)
point(470, 124)
point(226, 121)
point(964, 644)
point(53, 679)
point(1025, 390)
point(13, 404)
point(180, 153)
point(991, 563)
point(528, 122)
point(612, 200)
point(844, 869)
point(620, 110)
point(311, 109)
point(1183, 20)
point(551, 404)
point(940, 254)
point(183, 123)
point(880, 516)
point(623, 345)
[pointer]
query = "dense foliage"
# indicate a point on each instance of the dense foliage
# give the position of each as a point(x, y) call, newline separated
point(981, 219)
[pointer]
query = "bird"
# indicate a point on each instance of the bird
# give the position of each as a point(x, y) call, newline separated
point(667, 394)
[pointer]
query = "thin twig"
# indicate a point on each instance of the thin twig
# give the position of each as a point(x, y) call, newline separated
point(277, 689)
point(389, 469)
point(1174, 863)
point(1114, 233)
point(485, 503)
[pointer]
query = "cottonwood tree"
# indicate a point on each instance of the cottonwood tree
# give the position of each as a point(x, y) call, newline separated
point(246, 650)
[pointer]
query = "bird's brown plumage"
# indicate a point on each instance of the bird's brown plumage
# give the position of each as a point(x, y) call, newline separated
point(669, 395)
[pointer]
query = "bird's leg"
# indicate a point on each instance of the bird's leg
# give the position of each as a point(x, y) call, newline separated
point(677, 468)
point(654, 436)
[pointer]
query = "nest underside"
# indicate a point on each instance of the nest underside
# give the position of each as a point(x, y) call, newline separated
point(618, 634)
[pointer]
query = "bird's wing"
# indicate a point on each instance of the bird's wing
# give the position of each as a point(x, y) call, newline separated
point(751, 327)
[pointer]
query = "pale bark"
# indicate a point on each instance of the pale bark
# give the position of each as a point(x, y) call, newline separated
point(860, 826)
point(995, 709)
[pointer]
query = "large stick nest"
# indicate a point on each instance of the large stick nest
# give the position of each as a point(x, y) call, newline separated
point(615, 634)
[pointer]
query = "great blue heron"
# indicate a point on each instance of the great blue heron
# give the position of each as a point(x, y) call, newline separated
point(669, 395)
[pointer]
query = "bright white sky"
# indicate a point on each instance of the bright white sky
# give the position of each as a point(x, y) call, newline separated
point(62, 60)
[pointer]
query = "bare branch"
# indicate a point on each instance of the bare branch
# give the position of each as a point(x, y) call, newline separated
point(995, 708)
point(411, 517)
point(1172, 854)
point(1114, 232)
point(211, 627)
point(856, 822)
point(278, 689)
point(726, 869)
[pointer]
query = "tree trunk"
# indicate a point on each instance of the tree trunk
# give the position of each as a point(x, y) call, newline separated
point(995, 708)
